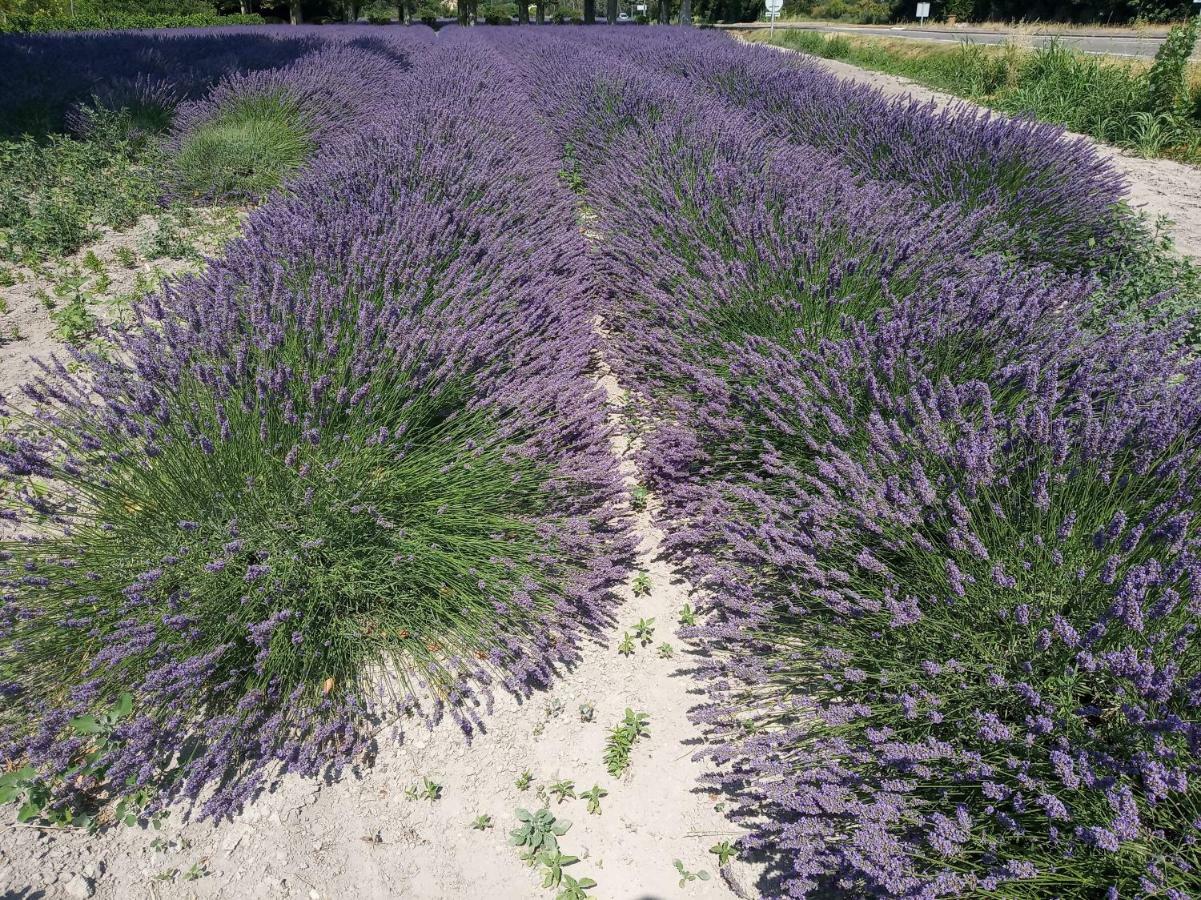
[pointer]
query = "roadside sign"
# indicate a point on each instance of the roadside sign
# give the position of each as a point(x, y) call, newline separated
point(773, 8)
point(923, 11)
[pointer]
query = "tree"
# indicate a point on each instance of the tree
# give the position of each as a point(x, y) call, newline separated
point(540, 11)
point(589, 12)
point(523, 12)
point(247, 6)
point(611, 11)
point(664, 12)
point(295, 16)
point(685, 12)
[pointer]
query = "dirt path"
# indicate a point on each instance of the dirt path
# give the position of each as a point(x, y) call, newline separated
point(1158, 187)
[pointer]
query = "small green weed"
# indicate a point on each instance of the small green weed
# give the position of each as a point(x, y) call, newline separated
point(622, 739)
point(593, 796)
point(539, 831)
point(725, 851)
point(645, 631)
point(641, 584)
point(563, 790)
point(626, 647)
point(686, 876)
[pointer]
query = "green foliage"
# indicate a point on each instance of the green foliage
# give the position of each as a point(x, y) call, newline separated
point(126, 257)
point(245, 151)
point(96, 733)
point(1116, 101)
point(524, 780)
point(563, 790)
point(497, 13)
point(573, 889)
point(666, 651)
point(1167, 81)
point(626, 647)
point(645, 631)
point(99, 20)
point(1142, 265)
point(862, 12)
point(379, 13)
point(687, 615)
point(74, 322)
point(587, 711)
point(167, 240)
point(593, 796)
point(686, 876)
point(725, 851)
point(538, 832)
point(482, 822)
point(570, 170)
point(430, 790)
point(638, 497)
point(54, 194)
point(622, 740)
point(641, 584)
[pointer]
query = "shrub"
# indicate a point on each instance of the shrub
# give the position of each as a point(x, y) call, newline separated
point(356, 470)
point(128, 20)
point(245, 151)
point(1167, 80)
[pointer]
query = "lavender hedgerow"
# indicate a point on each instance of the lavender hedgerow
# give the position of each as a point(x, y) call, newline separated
point(945, 534)
point(356, 468)
point(1058, 195)
point(44, 77)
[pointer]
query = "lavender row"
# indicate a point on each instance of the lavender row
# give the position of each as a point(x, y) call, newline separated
point(356, 471)
point(943, 529)
point(1056, 195)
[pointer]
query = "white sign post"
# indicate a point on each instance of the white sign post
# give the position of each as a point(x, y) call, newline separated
point(923, 12)
point(774, 6)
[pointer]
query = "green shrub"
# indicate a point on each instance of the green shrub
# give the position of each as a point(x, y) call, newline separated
point(244, 152)
point(379, 13)
point(1167, 81)
point(107, 21)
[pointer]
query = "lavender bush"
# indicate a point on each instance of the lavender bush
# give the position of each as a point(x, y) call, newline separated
point(354, 470)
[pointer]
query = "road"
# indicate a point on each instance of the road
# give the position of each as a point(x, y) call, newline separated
point(1115, 44)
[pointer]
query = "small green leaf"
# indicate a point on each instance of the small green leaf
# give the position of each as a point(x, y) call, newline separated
point(123, 706)
point(28, 811)
point(86, 725)
point(702, 875)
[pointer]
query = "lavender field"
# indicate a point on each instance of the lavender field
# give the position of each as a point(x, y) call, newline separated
point(813, 474)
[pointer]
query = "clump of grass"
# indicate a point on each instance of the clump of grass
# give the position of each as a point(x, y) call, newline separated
point(243, 152)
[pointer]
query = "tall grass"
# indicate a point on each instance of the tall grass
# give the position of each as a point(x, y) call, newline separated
point(1115, 101)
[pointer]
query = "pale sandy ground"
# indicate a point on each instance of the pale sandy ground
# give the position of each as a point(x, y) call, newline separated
point(362, 838)
point(1157, 187)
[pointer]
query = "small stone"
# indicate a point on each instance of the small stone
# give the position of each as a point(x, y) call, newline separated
point(79, 887)
point(313, 895)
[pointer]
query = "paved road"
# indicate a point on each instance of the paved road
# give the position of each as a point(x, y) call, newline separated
point(1119, 44)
